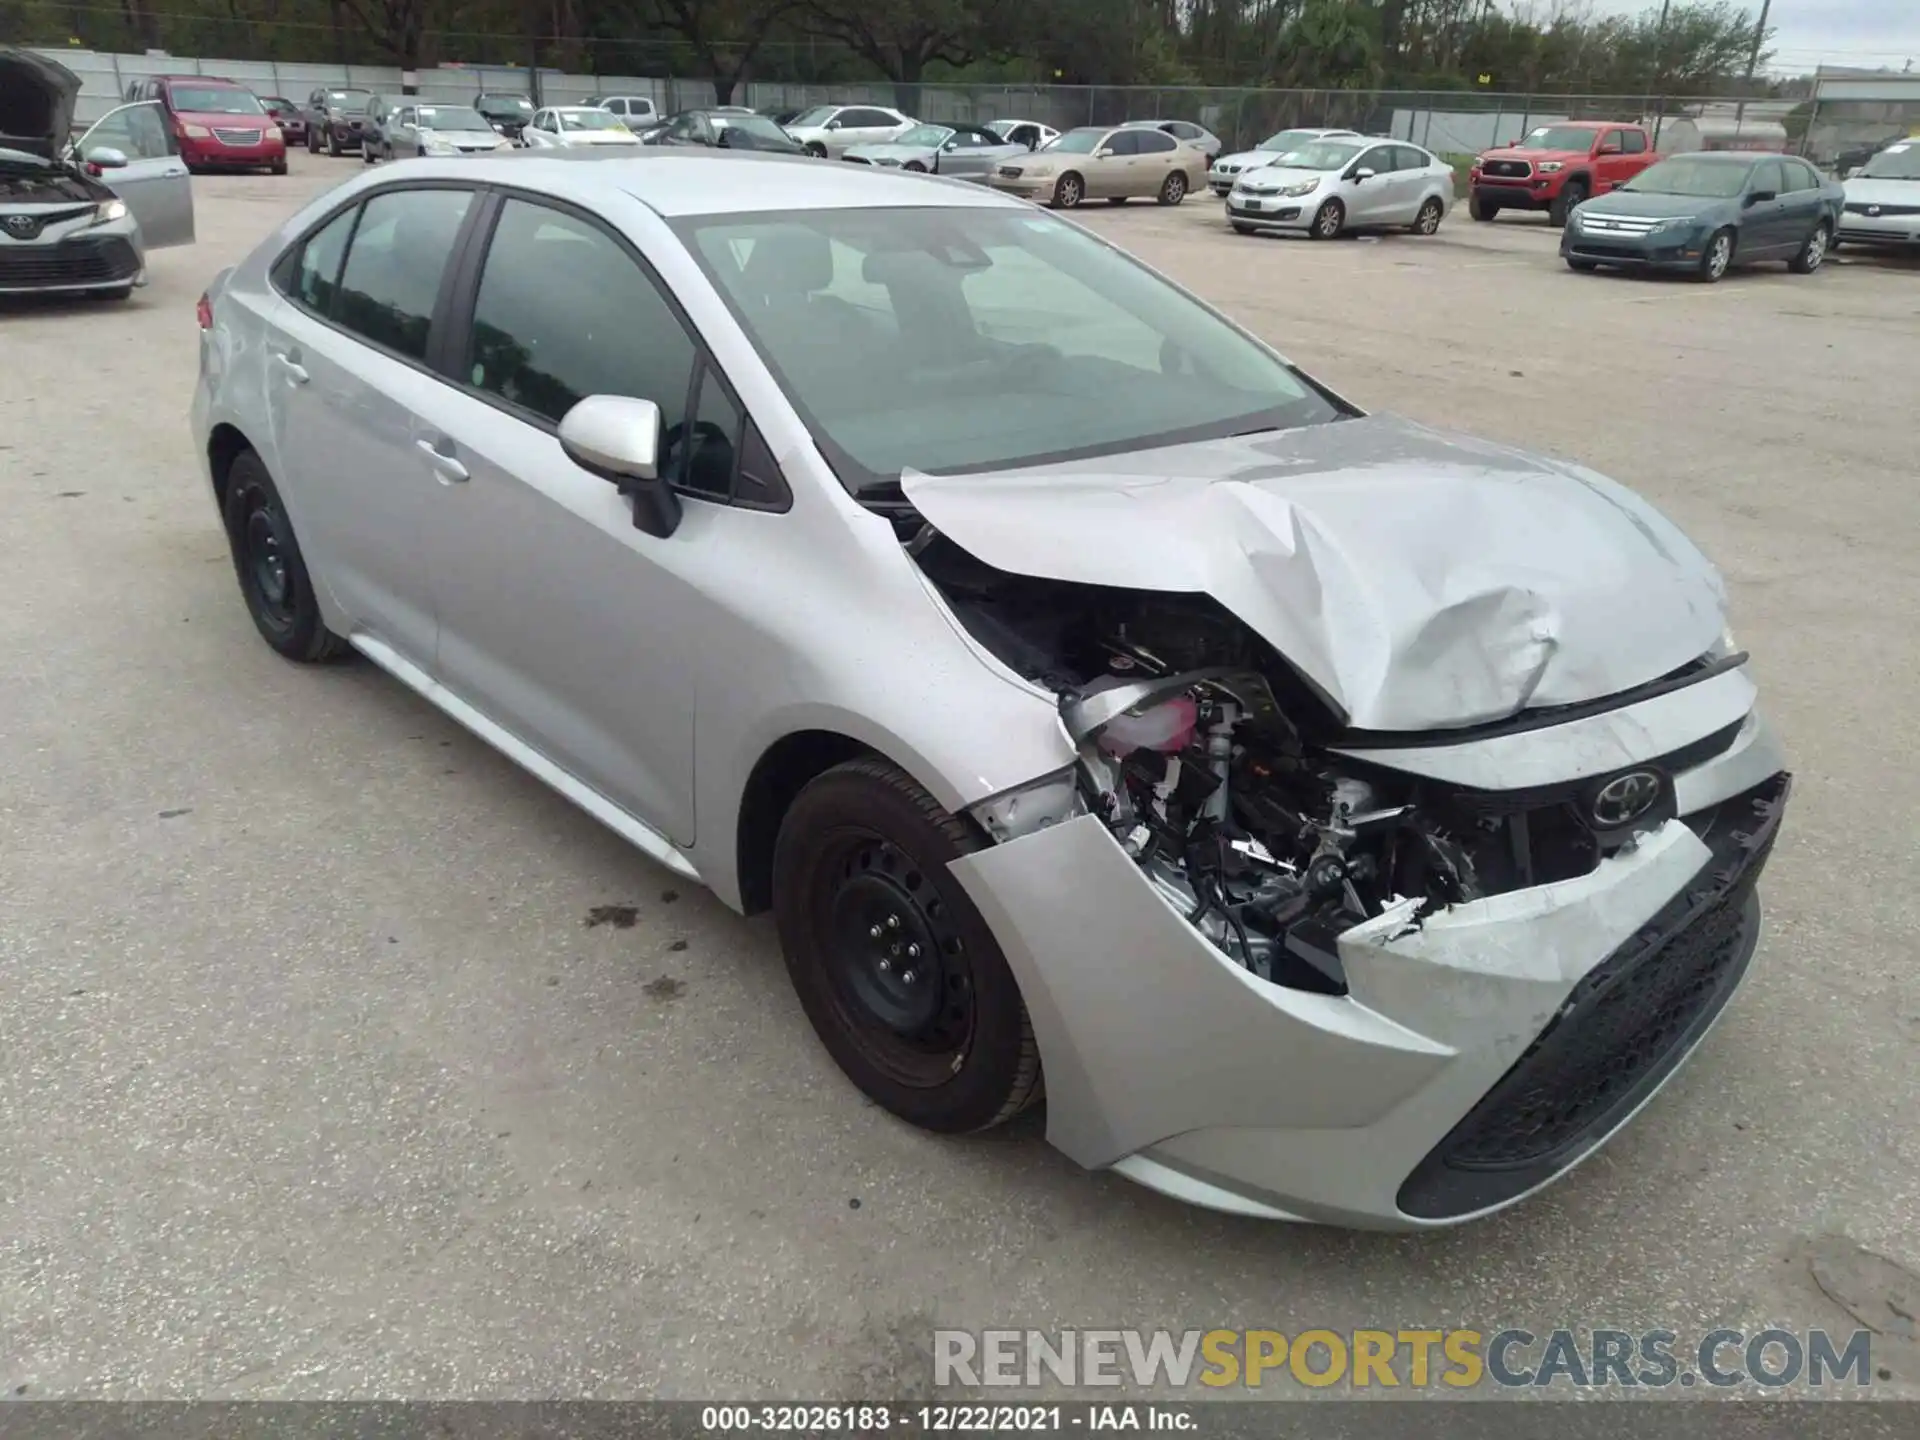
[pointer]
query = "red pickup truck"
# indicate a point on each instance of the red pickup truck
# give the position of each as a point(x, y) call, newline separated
point(1557, 166)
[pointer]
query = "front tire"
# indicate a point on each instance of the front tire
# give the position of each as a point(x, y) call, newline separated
point(1561, 206)
point(1482, 210)
point(271, 570)
point(1813, 253)
point(1716, 258)
point(903, 980)
point(1428, 220)
point(1240, 229)
point(817, 150)
point(1068, 191)
point(279, 167)
point(915, 166)
point(1173, 189)
point(333, 144)
point(1585, 267)
point(1328, 220)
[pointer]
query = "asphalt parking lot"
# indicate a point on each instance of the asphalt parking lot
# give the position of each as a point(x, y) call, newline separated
point(339, 1057)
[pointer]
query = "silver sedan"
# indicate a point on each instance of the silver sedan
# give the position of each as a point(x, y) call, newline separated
point(966, 152)
point(1348, 820)
point(1339, 184)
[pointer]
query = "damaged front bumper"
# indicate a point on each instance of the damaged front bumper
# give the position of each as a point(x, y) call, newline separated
point(1480, 1051)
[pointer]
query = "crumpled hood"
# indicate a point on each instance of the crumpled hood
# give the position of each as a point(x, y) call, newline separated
point(894, 151)
point(1882, 192)
point(36, 102)
point(1421, 580)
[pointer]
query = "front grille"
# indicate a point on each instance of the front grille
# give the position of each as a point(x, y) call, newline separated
point(94, 260)
point(1855, 207)
point(1583, 250)
point(29, 225)
point(1507, 169)
point(1619, 224)
point(1619, 1034)
point(1228, 168)
point(237, 137)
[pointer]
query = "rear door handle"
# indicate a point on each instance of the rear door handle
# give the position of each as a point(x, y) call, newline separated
point(450, 470)
point(290, 362)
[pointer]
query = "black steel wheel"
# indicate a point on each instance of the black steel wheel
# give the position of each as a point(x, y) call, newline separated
point(272, 572)
point(902, 979)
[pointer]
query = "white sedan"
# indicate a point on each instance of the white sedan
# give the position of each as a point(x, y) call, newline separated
point(561, 127)
point(1227, 167)
point(1344, 184)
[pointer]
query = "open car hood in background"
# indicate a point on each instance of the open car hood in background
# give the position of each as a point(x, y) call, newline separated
point(36, 102)
point(1420, 580)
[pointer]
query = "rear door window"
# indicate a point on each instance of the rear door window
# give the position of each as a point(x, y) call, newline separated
point(391, 281)
point(1155, 142)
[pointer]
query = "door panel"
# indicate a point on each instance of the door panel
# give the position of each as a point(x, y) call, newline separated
point(154, 182)
point(1767, 229)
point(1371, 200)
point(559, 620)
point(344, 402)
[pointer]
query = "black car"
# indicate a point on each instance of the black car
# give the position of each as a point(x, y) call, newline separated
point(288, 116)
point(783, 114)
point(726, 130)
point(1707, 212)
point(336, 118)
point(506, 111)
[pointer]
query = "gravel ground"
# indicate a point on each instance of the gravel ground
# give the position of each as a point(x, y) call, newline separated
point(318, 1081)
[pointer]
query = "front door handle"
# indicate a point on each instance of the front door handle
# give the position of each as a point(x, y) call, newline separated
point(450, 470)
point(290, 362)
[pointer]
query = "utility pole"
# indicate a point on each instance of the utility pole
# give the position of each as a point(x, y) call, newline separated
point(1659, 79)
point(1753, 63)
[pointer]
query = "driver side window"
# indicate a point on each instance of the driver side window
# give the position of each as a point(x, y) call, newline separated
point(138, 131)
point(1379, 160)
point(1769, 178)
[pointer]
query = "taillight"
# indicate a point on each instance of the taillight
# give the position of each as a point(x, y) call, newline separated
point(204, 313)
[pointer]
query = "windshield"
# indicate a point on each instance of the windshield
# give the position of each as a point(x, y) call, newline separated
point(935, 135)
point(216, 100)
point(451, 117)
point(517, 103)
point(756, 126)
point(589, 120)
point(1691, 175)
point(818, 115)
point(342, 99)
point(1559, 137)
point(950, 340)
point(1078, 142)
point(1286, 140)
point(1896, 162)
point(1323, 155)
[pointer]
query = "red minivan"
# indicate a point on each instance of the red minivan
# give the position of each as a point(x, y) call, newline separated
point(220, 124)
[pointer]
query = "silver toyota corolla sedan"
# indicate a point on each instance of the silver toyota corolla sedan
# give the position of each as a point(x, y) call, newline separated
point(1335, 818)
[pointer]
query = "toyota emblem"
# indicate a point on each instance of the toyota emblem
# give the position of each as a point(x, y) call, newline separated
point(1625, 798)
point(23, 226)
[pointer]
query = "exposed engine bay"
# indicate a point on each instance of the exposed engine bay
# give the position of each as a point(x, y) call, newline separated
point(1205, 753)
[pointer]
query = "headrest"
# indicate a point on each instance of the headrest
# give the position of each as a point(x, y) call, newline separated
point(789, 258)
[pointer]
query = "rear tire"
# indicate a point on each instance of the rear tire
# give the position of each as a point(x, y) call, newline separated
point(1173, 189)
point(1561, 206)
point(1328, 220)
point(1482, 210)
point(272, 572)
point(864, 900)
point(1428, 220)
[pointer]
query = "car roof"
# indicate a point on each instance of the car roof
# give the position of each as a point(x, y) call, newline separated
point(697, 181)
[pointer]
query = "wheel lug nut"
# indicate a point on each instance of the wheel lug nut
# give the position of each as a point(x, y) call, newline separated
point(893, 922)
point(874, 933)
point(908, 976)
point(913, 952)
point(886, 965)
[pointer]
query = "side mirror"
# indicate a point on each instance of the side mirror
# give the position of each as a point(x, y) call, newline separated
point(107, 158)
point(950, 147)
point(1363, 174)
point(1755, 197)
point(618, 438)
point(834, 125)
point(1105, 152)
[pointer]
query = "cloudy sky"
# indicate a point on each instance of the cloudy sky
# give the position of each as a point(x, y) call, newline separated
point(1832, 32)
